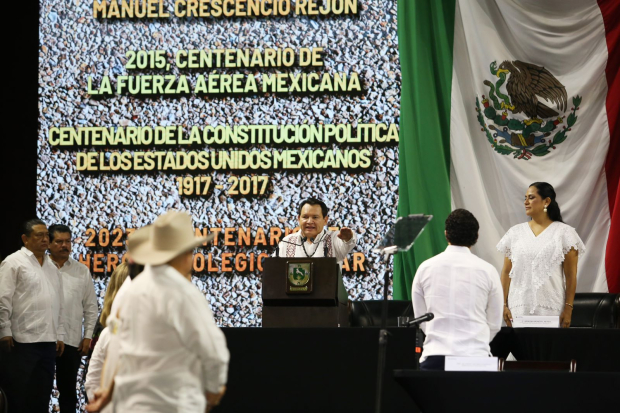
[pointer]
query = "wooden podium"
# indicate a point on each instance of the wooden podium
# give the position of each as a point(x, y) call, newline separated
point(304, 292)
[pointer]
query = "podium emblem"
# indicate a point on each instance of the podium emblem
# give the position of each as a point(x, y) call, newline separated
point(299, 278)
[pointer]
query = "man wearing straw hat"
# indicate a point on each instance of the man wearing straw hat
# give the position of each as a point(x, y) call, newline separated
point(173, 357)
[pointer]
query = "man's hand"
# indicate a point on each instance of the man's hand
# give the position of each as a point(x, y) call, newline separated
point(60, 348)
point(84, 347)
point(102, 399)
point(6, 343)
point(345, 234)
point(566, 316)
point(213, 399)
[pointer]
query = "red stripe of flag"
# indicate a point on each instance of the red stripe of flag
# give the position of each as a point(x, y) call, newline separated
point(610, 9)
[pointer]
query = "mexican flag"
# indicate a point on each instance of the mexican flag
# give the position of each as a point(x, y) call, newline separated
point(496, 95)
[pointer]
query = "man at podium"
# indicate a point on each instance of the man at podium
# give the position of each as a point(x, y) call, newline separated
point(314, 240)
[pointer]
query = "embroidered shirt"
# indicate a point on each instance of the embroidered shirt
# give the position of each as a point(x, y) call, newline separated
point(537, 285)
point(291, 246)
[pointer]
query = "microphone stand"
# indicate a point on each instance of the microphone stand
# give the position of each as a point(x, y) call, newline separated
point(400, 237)
point(415, 323)
point(383, 332)
point(416, 356)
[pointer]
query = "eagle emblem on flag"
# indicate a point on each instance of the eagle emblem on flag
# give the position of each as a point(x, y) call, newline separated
point(524, 119)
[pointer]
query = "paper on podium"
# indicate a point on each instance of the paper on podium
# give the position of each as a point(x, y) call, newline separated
point(471, 363)
point(536, 321)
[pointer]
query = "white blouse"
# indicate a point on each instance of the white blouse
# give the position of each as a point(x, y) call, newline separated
point(537, 284)
point(95, 365)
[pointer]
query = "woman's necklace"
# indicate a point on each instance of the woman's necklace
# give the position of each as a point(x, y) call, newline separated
point(303, 245)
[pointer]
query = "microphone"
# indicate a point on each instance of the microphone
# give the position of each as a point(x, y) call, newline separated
point(426, 317)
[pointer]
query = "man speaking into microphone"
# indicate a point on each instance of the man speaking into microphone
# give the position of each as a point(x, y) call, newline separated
point(464, 294)
point(314, 240)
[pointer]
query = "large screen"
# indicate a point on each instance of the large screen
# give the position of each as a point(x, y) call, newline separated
point(231, 110)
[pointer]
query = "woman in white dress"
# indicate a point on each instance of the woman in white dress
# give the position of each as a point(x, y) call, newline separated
point(93, 377)
point(539, 276)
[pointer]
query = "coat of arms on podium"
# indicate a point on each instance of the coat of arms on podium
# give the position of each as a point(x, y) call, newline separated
point(299, 277)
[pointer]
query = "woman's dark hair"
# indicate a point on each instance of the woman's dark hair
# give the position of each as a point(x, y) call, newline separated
point(545, 191)
point(462, 228)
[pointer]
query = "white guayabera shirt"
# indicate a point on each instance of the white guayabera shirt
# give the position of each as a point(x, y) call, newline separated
point(465, 294)
point(171, 350)
point(79, 302)
point(31, 299)
point(537, 284)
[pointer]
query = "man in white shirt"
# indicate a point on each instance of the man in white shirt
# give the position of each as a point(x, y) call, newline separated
point(173, 357)
point(79, 310)
point(31, 321)
point(463, 292)
point(314, 240)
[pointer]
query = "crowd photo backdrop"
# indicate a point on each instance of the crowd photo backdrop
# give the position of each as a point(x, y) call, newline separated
point(234, 115)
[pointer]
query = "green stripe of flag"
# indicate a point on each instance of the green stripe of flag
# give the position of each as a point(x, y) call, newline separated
point(426, 39)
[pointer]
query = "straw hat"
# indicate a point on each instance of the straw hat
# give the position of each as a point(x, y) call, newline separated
point(169, 236)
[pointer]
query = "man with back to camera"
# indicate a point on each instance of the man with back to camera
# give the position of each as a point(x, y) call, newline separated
point(31, 321)
point(463, 292)
point(173, 357)
point(313, 240)
point(80, 304)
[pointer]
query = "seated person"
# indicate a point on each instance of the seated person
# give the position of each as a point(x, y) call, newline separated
point(314, 240)
point(463, 292)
